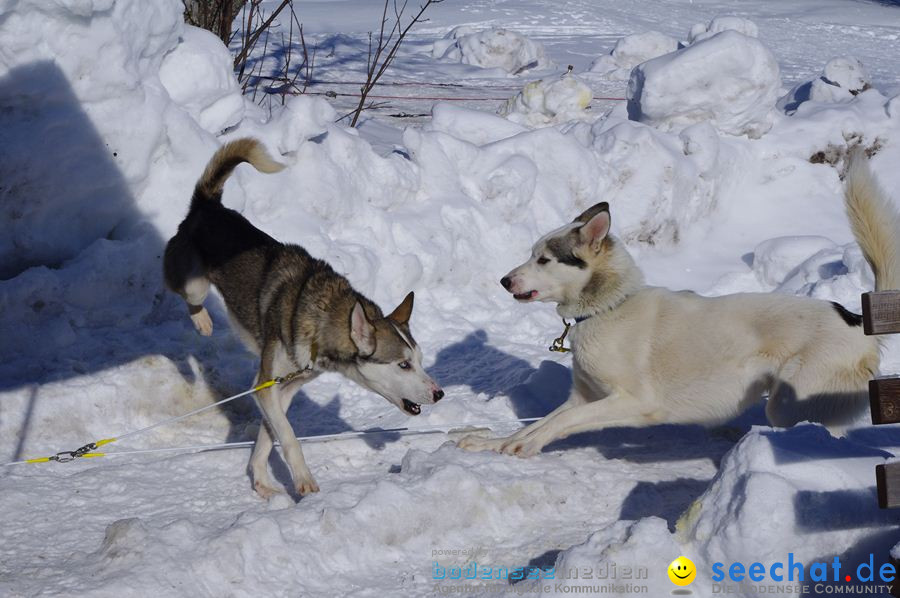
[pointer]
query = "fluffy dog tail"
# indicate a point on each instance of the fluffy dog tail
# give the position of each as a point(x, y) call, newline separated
point(874, 221)
point(224, 161)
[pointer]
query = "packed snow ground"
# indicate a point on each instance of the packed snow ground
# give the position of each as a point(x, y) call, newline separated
point(100, 150)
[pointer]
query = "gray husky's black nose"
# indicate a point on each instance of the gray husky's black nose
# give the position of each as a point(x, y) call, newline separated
point(506, 282)
point(438, 395)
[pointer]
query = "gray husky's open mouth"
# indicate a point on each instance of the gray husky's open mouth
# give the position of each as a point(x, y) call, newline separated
point(412, 408)
point(525, 296)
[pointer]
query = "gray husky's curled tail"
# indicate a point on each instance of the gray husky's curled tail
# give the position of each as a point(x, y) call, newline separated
point(874, 221)
point(224, 161)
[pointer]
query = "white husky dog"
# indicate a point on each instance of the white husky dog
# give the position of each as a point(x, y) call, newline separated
point(646, 355)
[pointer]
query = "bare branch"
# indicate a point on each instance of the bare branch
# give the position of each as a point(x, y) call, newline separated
point(378, 63)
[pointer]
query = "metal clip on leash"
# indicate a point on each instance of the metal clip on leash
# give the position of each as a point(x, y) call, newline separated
point(558, 343)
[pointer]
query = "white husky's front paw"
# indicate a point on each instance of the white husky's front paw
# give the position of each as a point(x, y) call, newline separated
point(202, 322)
point(475, 442)
point(522, 447)
point(306, 485)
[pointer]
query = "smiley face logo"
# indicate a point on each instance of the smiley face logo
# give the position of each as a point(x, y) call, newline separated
point(682, 571)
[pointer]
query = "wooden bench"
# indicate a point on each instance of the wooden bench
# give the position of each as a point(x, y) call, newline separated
point(881, 315)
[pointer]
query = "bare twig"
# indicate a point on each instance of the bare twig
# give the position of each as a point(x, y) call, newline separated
point(253, 37)
point(377, 62)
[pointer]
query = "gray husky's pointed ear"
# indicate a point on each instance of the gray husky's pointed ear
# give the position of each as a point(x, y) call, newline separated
point(403, 311)
point(592, 211)
point(595, 229)
point(362, 333)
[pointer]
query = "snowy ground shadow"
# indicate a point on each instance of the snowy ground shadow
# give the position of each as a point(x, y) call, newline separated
point(472, 362)
point(841, 509)
point(81, 286)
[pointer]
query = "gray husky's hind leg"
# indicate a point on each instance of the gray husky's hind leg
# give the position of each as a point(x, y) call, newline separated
point(185, 275)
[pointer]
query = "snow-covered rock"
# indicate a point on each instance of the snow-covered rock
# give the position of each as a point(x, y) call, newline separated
point(701, 31)
point(631, 51)
point(729, 79)
point(199, 76)
point(549, 101)
point(492, 48)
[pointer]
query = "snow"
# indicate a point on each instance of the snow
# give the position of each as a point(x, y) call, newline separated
point(729, 80)
point(631, 51)
point(110, 109)
point(701, 31)
point(553, 101)
point(197, 75)
point(491, 48)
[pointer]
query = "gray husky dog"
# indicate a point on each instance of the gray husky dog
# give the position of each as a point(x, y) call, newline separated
point(291, 309)
point(645, 355)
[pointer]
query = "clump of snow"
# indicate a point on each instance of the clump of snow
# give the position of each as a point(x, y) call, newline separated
point(841, 80)
point(198, 75)
point(549, 101)
point(701, 31)
point(631, 51)
point(492, 48)
point(847, 73)
point(729, 79)
point(303, 117)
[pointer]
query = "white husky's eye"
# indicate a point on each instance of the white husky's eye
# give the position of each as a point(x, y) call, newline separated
point(404, 365)
point(542, 260)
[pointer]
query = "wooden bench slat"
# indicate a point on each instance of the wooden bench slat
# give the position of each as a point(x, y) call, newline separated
point(887, 479)
point(881, 312)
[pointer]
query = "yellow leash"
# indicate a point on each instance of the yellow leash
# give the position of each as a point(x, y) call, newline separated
point(88, 451)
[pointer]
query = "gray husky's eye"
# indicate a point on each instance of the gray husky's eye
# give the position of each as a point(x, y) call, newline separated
point(542, 260)
point(404, 365)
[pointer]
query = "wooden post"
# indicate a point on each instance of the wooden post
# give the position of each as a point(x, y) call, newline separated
point(884, 399)
point(887, 478)
point(881, 312)
point(881, 315)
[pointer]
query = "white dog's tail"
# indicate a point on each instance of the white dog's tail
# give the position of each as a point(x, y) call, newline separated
point(875, 222)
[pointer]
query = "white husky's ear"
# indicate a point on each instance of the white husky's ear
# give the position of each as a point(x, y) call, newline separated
point(591, 212)
point(404, 310)
point(595, 230)
point(362, 333)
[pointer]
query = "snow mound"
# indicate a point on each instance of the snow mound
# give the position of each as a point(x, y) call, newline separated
point(57, 104)
point(824, 483)
point(491, 48)
point(729, 79)
point(700, 31)
point(631, 51)
point(841, 80)
point(549, 101)
point(198, 75)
